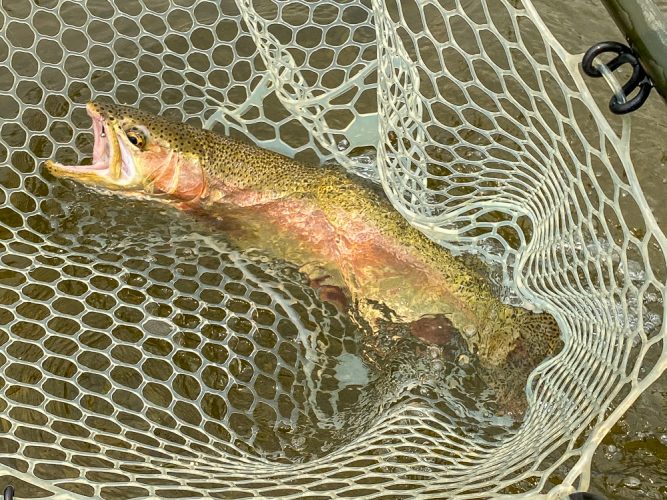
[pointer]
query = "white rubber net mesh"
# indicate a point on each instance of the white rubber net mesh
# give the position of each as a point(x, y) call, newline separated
point(141, 356)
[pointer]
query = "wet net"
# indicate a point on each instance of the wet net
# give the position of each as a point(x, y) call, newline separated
point(142, 355)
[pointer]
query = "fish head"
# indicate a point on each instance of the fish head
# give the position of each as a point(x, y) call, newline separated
point(140, 152)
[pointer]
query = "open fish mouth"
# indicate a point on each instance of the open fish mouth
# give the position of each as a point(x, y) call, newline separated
point(112, 164)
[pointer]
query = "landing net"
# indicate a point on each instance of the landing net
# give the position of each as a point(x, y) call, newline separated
point(141, 356)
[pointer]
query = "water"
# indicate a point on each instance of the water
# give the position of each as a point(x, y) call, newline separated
point(156, 270)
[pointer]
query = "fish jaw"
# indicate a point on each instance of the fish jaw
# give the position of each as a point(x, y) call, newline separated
point(113, 166)
point(135, 152)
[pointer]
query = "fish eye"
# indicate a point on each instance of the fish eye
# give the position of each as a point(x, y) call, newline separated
point(137, 137)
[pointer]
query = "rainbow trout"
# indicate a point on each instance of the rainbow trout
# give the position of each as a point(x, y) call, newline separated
point(311, 213)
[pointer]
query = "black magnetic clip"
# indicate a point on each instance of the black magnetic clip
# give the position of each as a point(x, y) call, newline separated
point(639, 78)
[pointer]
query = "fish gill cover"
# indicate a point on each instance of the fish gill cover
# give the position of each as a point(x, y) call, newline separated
point(141, 355)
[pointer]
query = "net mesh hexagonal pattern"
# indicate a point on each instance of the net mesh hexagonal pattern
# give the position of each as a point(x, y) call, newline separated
point(141, 355)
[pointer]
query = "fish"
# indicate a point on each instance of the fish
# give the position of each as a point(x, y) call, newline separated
point(359, 251)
